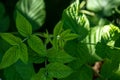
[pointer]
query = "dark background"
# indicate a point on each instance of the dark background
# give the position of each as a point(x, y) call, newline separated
point(54, 9)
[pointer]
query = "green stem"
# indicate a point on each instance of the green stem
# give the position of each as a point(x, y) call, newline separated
point(25, 39)
point(87, 12)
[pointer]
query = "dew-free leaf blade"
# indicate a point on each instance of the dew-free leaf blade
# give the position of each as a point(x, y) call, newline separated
point(10, 57)
point(37, 45)
point(76, 22)
point(23, 25)
point(33, 11)
point(58, 28)
point(23, 52)
point(10, 38)
point(41, 75)
point(60, 56)
point(108, 67)
point(58, 70)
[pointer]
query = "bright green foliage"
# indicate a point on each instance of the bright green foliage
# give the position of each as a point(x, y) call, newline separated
point(10, 57)
point(37, 45)
point(58, 70)
point(13, 54)
point(79, 40)
point(23, 25)
point(62, 37)
point(23, 52)
point(77, 22)
point(11, 39)
point(33, 11)
point(105, 7)
point(105, 51)
point(58, 28)
point(60, 56)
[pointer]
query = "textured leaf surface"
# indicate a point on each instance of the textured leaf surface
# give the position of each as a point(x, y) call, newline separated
point(41, 75)
point(23, 52)
point(72, 19)
point(10, 38)
point(10, 57)
point(23, 25)
point(84, 73)
point(59, 56)
point(19, 71)
point(33, 11)
point(37, 45)
point(58, 70)
point(58, 28)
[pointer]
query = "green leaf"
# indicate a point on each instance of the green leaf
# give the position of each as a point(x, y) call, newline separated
point(34, 57)
point(108, 68)
point(115, 75)
point(10, 38)
point(72, 48)
point(58, 28)
point(68, 36)
point(41, 75)
point(19, 71)
point(105, 7)
point(33, 11)
point(4, 20)
point(23, 52)
point(10, 57)
point(75, 21)
point(60, 56)
point(109, 52)
point(110, 32)
point(83, 73)
point(37, 45)
point(23, 25)
point(58, 70)
point(4, 46)
point(106, 34)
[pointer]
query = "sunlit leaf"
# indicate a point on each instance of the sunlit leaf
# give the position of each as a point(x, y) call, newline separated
point(72, 19)
point(33, 11)
point(106, 34)
point(105, 7)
